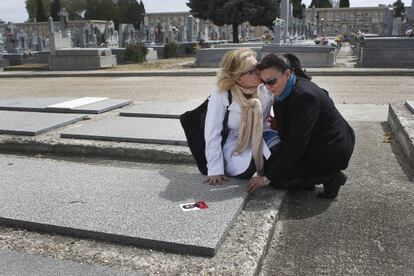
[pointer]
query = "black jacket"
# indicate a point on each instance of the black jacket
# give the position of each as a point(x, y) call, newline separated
point(316, 139)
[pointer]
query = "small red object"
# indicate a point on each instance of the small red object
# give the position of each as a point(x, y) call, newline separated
point(201, 204)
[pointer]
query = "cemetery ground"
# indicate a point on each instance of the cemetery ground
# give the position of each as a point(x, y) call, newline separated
point(160, 64)
point(367, 230)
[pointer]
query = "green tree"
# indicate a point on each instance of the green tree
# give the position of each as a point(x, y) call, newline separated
point(40, 12)
point(121, 11)
point(344, 3)
point(320, 4)
point(235, 12)
point(297, 8)
point(31, 7)
point(54, 10)
point(265, 13)
point(399, 8)
point(130, 11)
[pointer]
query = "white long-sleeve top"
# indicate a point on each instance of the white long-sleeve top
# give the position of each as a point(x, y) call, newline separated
point(222, 161)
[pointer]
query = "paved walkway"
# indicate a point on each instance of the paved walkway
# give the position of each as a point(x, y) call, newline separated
point(346, 89)
point(368, 230)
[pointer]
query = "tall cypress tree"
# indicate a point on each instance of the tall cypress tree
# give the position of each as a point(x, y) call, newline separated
point(40, 12)
point(320, 4)
point(399, 8)
point(297, 8)
point(344, 3)
point(54, 11)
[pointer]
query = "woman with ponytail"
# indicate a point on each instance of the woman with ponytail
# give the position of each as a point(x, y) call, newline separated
point(317, 142)
point(243, 151)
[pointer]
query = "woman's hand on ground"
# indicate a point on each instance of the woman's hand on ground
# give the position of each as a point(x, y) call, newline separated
point(255, 182)
point(216, 179)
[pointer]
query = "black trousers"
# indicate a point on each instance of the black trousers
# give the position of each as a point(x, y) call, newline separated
point(249, 172)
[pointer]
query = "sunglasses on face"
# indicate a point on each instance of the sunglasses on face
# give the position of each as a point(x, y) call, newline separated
point(250, 72)
point(271, 81)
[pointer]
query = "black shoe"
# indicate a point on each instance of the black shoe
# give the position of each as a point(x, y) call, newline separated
point(310, 188)
point(332, 185)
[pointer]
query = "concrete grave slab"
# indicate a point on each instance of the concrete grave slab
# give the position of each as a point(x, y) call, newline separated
point(410, 105)
point(101, 107)
point(29, 103)
point(87, 105)
point(363, 112)
point(138, 204)
point(34, 123)
point(127, 129)
point(17, 263)
point(76, 102)
point(160, 109)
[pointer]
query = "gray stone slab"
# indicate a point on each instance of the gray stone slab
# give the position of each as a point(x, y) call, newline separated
point(84, 52)
point(160, 109)
point(34, 123)
point(137, 204)
point(401, 122)
point(18, 263)
point(41, 104)
point(410, 105)
point(128, 129)
point(363, 112)
point(29, 103)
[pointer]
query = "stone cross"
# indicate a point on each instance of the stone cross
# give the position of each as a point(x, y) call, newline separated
point(63, 22)
point(51, 25)
point(1, 44)
point(278, 24)
point(190, 21)
point(284, 15)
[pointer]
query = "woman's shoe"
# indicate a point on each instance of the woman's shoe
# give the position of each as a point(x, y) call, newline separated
point(332, 185)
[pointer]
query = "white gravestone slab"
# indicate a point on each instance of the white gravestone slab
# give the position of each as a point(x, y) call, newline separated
point(77, 103)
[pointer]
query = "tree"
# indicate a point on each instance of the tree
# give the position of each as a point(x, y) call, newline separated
point(344, 3)
point(130, 11)
point(297, 8)
point(31, 7)
point(40, 12)
point(235, 12)
point(399, 8)
point(266, 12)
point(320, 4)
point(55, 9)
point(121, 11)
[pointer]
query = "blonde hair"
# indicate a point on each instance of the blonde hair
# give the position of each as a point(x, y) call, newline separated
point(233, 65)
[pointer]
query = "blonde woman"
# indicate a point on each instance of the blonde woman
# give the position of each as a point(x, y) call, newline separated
point(242, 154)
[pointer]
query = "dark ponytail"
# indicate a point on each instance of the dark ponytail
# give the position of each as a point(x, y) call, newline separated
point(282, 63)
point(296, 67)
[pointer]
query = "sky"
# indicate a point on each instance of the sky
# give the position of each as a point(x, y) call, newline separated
point(15, 10)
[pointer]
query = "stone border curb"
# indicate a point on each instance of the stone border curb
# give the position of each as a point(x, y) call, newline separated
point(87, 148)
point(204, 72)
point(401, 121)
